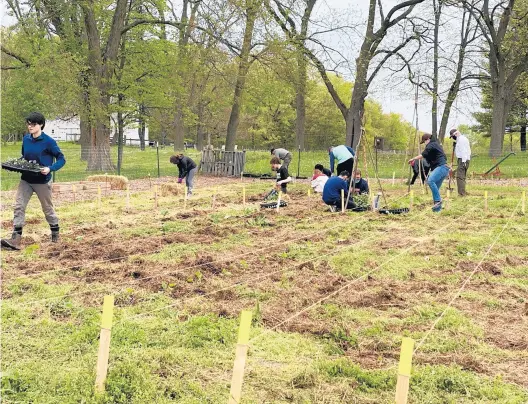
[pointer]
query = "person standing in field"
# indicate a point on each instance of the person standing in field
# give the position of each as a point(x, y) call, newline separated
point(283, 177)
point(39, 147)
point(463, 155)
point(284, 155)
point(436, 157)
point(344, 156)
point(187, 169)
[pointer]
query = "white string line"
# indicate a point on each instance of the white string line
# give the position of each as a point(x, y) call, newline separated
point(162, 248)
point(295, 315)
point(186, 269)
point(467, 280)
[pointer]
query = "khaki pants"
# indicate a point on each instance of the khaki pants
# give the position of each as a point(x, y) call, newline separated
point(461, 174)
point(24, 193)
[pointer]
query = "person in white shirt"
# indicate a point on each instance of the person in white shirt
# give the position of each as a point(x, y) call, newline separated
point(319, 178)
point(463, 155)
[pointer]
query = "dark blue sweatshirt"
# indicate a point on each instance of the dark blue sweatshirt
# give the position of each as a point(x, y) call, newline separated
point(332, 189)
point(41, 149)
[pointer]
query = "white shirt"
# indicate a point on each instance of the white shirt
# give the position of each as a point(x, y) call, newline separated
point(462, 149)
point(319, 183)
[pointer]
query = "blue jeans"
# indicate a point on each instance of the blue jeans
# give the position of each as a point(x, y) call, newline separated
point(436, 177)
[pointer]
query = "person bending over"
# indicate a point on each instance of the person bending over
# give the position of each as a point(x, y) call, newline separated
point(187, 169)
point(283, 177)
point(332, 192)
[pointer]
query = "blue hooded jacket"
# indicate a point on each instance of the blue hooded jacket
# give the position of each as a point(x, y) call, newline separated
point(42, 150)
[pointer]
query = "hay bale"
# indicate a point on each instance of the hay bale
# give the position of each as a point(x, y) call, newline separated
point(115, 181)
point(168, 189)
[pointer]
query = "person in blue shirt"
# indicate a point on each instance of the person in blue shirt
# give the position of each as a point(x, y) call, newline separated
point(41, 148)
point(344, 156)
point(332, 192)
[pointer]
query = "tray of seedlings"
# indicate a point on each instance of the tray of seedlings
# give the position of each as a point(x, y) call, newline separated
point(21, 165)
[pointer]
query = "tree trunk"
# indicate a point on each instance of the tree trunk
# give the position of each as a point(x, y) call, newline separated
point(200, 127)
point(142, 126)
point(84, 139)
point(119, 141)
point(498, 120)
point(523, 138)
point(179, 131)
point(300, 101)
point(434, 111)
point(234, 118)
point(100, 159)
point(355, 113)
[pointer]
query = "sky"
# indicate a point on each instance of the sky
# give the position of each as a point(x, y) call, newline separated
point(393, 98)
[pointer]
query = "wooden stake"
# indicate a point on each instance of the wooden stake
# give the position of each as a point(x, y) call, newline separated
point(104, 344)
point(485, 201)
point(99, 197)
point(343, 201)
point(74, 193)
point(244, 195)
point(278, 201)
point(213, 199)
point(150, 182)
point(523, 202)
point(404, 371)
point(393, 178)
point(240, 358)
point(155, 196)
point(411, 201)
point(127, 198)
point(309, 192)
point(185, 197)
point(447, 199)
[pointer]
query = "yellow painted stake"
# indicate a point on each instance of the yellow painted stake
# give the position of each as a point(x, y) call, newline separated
point(309, 192)
point(278, 201)
point(99, 197)
point(523, 202)
point(393, 178)
point(485, 201)
point(404, 371)
point(411, 201)
point(185, 197)
point(240, 358)
point(74, 193)
point(127, 198)
point(155, 196)
point(244, 195)
point(213, 199)
point(447, 199)
point(342, 201)
point(104, 344)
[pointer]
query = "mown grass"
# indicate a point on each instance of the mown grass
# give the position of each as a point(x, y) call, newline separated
point(184, 353)
point(141, 164)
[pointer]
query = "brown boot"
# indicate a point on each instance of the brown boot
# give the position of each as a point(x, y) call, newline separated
point(14, 242)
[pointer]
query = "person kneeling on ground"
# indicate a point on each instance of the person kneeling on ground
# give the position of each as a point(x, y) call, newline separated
point(332, 192)
point(360, 184)
point(320, 176)
point(283, 177)
point(187, 169)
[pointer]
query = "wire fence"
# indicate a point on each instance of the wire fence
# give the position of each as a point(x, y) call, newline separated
point(154, 162)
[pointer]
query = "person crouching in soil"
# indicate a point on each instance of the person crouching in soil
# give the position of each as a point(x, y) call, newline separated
point(187, 169)
point(283, 177)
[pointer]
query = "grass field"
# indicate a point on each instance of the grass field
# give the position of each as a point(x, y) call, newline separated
point(140, 164)
point(332, 296)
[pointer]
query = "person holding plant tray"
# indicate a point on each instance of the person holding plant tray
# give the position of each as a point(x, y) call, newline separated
point(42, 149)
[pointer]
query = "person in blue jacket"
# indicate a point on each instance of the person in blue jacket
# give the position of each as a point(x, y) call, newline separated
point(41, 148)
point(344, 156)
point(332, 192)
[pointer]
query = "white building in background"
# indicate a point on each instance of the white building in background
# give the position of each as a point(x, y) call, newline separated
point(70, 131)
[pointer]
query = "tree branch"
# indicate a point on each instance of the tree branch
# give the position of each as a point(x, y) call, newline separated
point(17, 57)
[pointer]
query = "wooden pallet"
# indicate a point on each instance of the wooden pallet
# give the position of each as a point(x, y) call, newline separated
point(59, 187)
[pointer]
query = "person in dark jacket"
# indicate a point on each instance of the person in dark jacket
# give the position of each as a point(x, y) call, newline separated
point(187, 169)
point(360, 184)
point(283, 177)
point(332, 192)
point(421, 168)
point(436, 157)
point(41, 148)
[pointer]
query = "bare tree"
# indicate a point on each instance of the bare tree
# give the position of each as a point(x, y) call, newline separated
point(507, 58)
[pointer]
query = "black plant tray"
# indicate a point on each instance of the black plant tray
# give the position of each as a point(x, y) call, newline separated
point(273, 205)
point(393, 211)
point(11, 167)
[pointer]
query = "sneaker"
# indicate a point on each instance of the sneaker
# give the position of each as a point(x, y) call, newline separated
point(14, 242)
point(333, 208)
point(437, 207)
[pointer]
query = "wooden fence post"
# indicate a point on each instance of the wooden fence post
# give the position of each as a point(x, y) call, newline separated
point(104, 344)
point(240, 358)
point(404, 371)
